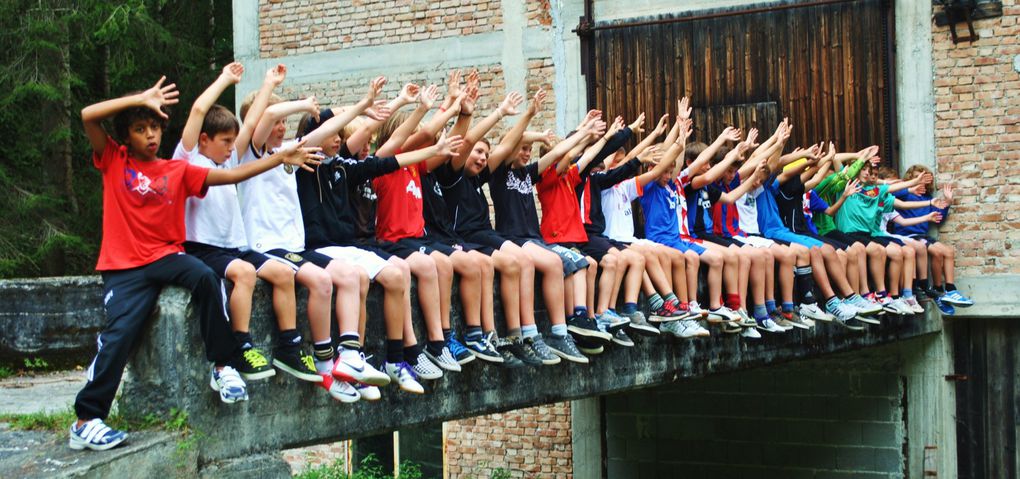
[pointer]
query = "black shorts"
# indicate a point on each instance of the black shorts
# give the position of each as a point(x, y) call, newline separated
point(486, 238)
point(218, 259)
point(405, 247)
point(372, 245)
point(842, 237)
point(457, 244)
point(597, 247)
point(297, 260)
point(927, 240)
point(721, 240)
point(865, 238)
point(829, 241)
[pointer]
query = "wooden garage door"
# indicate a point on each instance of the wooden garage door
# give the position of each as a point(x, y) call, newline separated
point(823, 64)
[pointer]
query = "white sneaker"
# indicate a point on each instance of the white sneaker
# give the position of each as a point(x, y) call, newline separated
point(685, 328)
point(812, 311)
point(352, 367)
point(95, 435)
point(722, 315)
point(914, 305)
point(444, 360)
point(340, 390)
point(746, 320)
point(404, 376)
point(901, 307)
point(863, 306)
point(842, 312)
point(695, 309)
point(229, 384)
point(369, 393)
point(750, 333)
point(769, 325)
point(426, 369)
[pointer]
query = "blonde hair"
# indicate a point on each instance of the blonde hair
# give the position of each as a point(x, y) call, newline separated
point(250, 98)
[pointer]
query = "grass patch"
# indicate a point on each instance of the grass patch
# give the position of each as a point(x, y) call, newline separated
point(175, 421)
point(370, 468)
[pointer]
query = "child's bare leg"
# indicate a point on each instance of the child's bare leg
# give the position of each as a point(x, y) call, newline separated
point(895, 255)
point(610, 271)
point(487, 268)
point(819, 272)
point(347, 285)
point(786, 259)
point(589, 286)
point(320, 291)
point(876, 265)
point(715, 262)
point(634, 277)
point(837, 272)
point(469, 268)
point(691, 266)
point(363, 288)
point(242, 274)
point(551, 267)
point(909, 267)
point(444, 270)
point(281, 277)
point(510, 285)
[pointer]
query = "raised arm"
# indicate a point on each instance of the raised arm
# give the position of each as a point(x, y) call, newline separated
point(728, 134)
point(507, 108)
point(751, 163)
point(508, 144)
point(443, 148)
point(924, 178)
point(408, 95)
point(295, 154)
point(752, 182)
point(154, 98)
point(561, 148)
point(274, 78)
point(333, 125)
point(852, 187)
point(278, 112)
point(231, 75)
point(598, 150)
point(649, 140)
point(720, 168)
point(683, 107)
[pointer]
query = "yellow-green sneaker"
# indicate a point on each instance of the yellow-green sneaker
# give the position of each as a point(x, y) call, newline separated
point(293, 362)
point(254, 365)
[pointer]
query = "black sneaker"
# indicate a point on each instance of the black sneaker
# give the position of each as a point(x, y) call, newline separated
point(621, 338)
point(564, 347)
point(523, 351)
point(297, 364)
point(586, 327)
point(254, 365)
point(509, 360)
point(589, 346)
point(542, 350)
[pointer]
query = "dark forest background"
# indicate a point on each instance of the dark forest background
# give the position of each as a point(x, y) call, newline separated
point(57, 57)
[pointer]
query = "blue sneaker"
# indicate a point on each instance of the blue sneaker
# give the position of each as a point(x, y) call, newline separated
point(95, 435)
point(946, 308)
point(957, 299)
point(229, 384)
point(461, 353)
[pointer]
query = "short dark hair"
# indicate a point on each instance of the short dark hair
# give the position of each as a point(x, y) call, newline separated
point(693, 150)
point(123, 119)
point(219, 120)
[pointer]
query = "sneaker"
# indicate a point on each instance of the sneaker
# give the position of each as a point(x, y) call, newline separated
point(95, 435)
point(541, 350)
point(853, 324)
point(668, 312)
point(685, 328)
point(612, 320)
point(340, 390)
point(426, 369)
point(845, 315)
point(564, 347)
point(722, 315)
point(404, 376)
point(229, 384)
point(781, 320)
point(483, 348)
point(588, 346)
point(444, 360)
point(745, 320)
point(946, 308)
point(293, 362)
point(750, 333)
point(914, 305)
point(769, 325)
point(731, 328)
point(254, 365)
point(900, 307)
point(584, 326)
point(460, 353)
point(621, 338)
point(369, 393)
point(797, 321)
point(812, 311)
point(640, 325)
point(351, 367)
point(509, 360)
point(957, 298)
point(523, 352)
point(695, 309)
point(863, 306)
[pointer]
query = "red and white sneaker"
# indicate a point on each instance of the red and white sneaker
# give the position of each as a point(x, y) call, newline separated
point(351, 367)
point(339, 390)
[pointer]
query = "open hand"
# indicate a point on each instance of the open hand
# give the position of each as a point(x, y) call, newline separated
point(378, 111)
point(276, 75)
point(852, 187)
point(509, 105)
point(375, 87)
point(638, 125)
point(660, 127)
point(409, 93)
point(427, 98)
point(298, 155)
point(232, 72)
point(448, 145)
point(683, 108)
point(158, 96)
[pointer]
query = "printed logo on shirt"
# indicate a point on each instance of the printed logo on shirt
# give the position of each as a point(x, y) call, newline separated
point(108, 297)
point(293, 258)
point(523, 187)
point(366, 192)
point(873, 192)
point(413, 189)
point(436, 189)
point(137, 182)
point(749, 201)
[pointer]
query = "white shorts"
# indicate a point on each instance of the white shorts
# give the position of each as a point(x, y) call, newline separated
point(754, 241)
point(366, 260)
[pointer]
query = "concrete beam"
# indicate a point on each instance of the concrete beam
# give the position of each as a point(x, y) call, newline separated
point(56, 319)
point(169, 371)
point(915, 91)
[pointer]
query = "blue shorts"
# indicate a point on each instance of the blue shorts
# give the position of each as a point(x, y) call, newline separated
point(681, 245)
point(794, 238)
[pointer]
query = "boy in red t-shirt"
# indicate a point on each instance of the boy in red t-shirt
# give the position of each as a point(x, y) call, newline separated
point(142, 250)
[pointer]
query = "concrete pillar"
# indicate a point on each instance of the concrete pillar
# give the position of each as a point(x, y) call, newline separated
point(586, 434)
point(915, 94)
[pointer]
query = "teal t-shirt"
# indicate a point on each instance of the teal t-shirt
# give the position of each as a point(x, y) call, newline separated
point(862, 212)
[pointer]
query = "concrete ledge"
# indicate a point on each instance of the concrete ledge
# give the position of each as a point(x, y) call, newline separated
point(56, 319)
point(286, 413)
point(995, 296)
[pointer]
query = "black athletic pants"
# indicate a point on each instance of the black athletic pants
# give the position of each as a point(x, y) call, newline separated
point(128, 296)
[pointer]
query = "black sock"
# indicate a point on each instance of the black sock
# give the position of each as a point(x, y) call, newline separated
point(804, 284)
point(447, 332)
point(289, 338)
point(324, 351)
point(394, 351)
point(350, 342)
point(411, 354)
point(950, 287)
point(244, 339)
point(435, 348)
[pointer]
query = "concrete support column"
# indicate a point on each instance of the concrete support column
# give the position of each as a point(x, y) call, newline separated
point(915, 93)
point(931, 406)
point(586, 437)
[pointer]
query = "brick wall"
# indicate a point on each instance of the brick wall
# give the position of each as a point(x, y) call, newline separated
point(531, 443)
point(977, 130)
point(818, 419)
point(295, 27)
point(312, 457)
